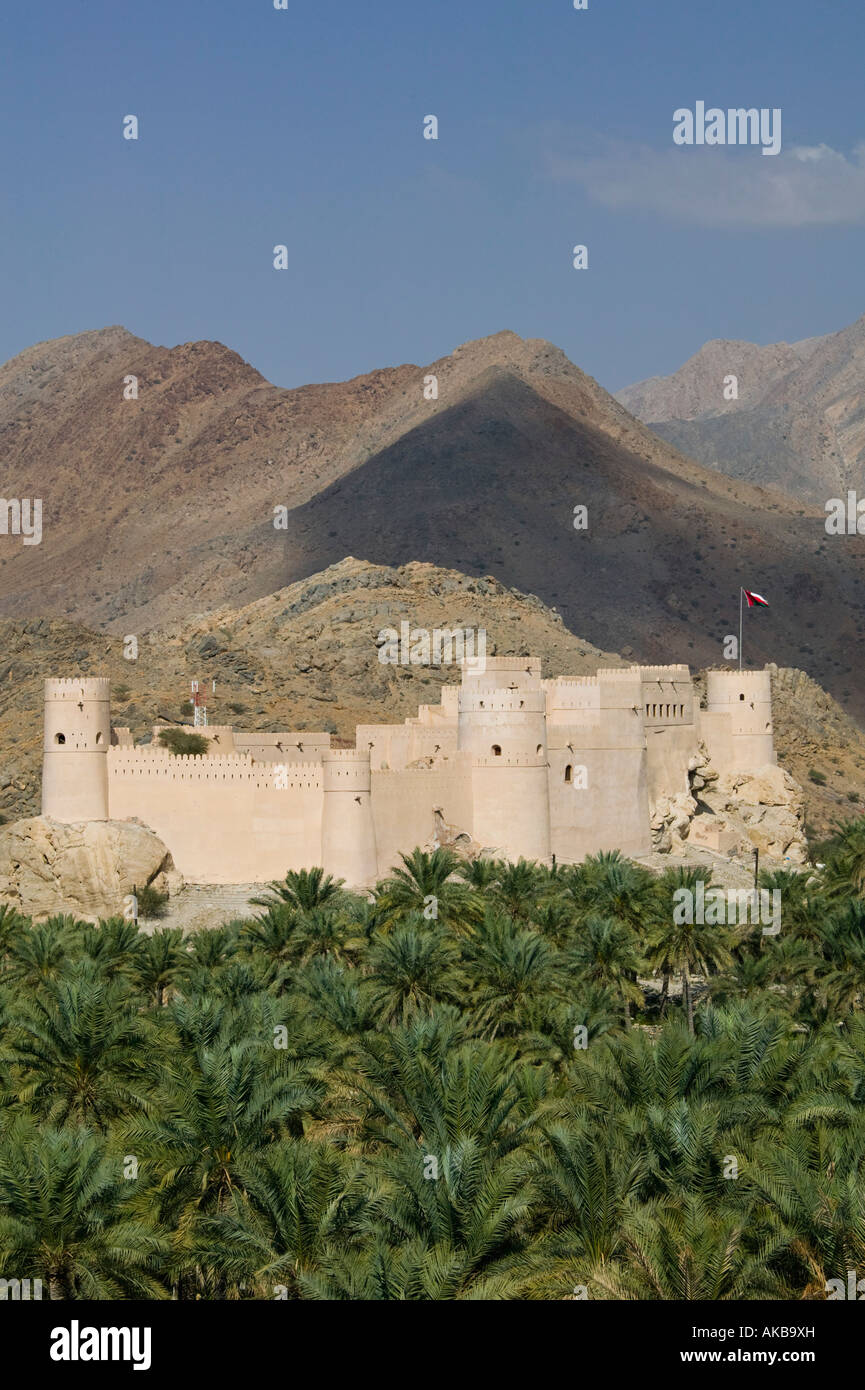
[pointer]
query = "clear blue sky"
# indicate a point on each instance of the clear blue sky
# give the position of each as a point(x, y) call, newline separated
point(304, 127)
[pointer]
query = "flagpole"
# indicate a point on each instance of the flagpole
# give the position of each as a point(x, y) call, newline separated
point(741, 591)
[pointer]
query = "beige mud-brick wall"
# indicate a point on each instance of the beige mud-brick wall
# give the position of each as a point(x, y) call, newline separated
point(667, 704)
point(394, 746)
point(511, 806)
point(612, 811)
point(572, 701)
point(290, 747)
point(223, 820)
point(404, 805)
point(502, 672)
point(77, 736)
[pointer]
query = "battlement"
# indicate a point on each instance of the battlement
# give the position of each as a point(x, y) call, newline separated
point(75, 688)
point(676, 673)
point(722, 677)
point(510, 760)
point(345, 755)
point(617, 673)
point(236, 768)
point(568, 681)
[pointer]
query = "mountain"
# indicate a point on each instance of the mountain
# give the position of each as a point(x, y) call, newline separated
point(162, 508)
point(798, 423)
point(306, 657)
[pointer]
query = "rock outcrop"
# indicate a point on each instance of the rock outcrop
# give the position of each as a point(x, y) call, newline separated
point(49, 867)
point(734, 814)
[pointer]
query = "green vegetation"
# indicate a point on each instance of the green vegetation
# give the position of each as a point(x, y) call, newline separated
point(816, 776)
point(489, 1081)
point(182, 741)
point(151, 903)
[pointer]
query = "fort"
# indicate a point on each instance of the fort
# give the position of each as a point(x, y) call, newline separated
point(508, 762)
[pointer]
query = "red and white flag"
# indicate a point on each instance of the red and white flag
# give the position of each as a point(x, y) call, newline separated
point(755, 600)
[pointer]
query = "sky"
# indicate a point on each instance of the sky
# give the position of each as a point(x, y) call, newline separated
point(303, 127)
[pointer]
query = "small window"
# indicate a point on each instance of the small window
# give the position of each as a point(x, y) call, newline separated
point(539, 749)
point(741, 697)
point(497, 752)
point(59, 738)
point(568, 771)
point(99, 737)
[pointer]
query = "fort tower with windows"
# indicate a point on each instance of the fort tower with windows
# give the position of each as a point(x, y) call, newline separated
point(75, 749)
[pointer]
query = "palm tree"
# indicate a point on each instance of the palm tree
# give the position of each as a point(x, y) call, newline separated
point(159, 963)
point(304, 889)
point(39, 954)
point(518, 888)
point(685, 1250)
point(78, 1049)
point(65, 1217)
point(210, 1115)
point(410, 969)
point(303, 1201)
point(682, 947)
point(426, 884)
point(509, 967)
point(605, 954)
point(12, 925)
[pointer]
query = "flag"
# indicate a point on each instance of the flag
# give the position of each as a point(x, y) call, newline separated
point(755, 599)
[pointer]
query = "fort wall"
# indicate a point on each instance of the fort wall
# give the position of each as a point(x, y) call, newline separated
point(525, 767)
point(225, 819)
point(404, 806)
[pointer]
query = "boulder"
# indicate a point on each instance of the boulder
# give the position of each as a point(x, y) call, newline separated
point(85, 869)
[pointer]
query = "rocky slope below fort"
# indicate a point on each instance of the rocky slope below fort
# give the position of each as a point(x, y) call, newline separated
point(161, 507)
point(307, 657)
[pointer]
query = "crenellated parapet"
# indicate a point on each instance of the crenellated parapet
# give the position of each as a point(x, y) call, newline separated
point(73, 689)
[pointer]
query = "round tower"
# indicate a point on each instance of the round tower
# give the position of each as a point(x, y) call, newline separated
point(746, 696)
point(75, 750)
point(348, 848)
point(505, 731)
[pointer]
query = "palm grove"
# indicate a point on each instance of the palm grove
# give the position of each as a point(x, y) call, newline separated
point(485, 1081)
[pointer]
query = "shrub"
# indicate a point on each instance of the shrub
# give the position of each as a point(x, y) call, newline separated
point(814, 775)
point(186, 709)
point(179, 741)
point(236, 707)
point(151, 903)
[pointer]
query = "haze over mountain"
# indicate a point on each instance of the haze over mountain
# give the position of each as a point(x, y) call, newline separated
point(161, 508)
point(798, 423)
